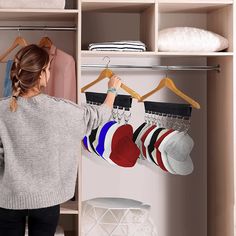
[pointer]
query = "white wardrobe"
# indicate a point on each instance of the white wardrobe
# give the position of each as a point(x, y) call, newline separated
point(201, 204)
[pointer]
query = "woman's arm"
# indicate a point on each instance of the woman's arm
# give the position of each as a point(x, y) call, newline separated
point(95, 116)
point(113, 85)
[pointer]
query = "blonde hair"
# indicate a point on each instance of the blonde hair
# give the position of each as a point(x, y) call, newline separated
point(27, 66)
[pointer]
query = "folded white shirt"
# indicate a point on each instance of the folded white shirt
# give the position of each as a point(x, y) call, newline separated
point(131, 42)
point(118, 49)
point(118, 46)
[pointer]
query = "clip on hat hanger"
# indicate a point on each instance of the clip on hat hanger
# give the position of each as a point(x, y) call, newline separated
point(168, 83)
point(19, 41)
point(183, 110)
point(122, 101)
point(107, 73)
point(169, 115)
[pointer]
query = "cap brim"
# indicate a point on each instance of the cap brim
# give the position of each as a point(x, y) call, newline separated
point(181, 146)
point(181, 167)
point(166, 163)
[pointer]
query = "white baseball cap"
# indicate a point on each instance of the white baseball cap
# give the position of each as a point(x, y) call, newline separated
point(179, 146)
point(176, 152)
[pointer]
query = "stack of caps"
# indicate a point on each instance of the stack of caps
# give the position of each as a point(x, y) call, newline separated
point(167, 148)
point(163, 139)
point(121, 46)
point(114, 143)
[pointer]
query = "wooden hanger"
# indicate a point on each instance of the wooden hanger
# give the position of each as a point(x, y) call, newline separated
point(45, 42)
point(108, 73)
point(168, 82)
point(19, 41)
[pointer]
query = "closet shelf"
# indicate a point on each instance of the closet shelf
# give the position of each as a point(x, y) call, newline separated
point(118, 1)
point(197, 6)
point(38, 14)
point(207, 54)
point(40, 10)
point(113, 53)
point(70, 207)
point(116, 6)
point(192, 6)
point(87, 53)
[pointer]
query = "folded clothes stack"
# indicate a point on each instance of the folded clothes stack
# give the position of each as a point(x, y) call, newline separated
point(121, 46)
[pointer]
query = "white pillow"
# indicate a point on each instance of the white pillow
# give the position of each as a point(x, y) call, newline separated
point(190, 39)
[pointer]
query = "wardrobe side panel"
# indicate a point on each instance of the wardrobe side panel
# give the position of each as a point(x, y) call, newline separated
point(148, 27)
point(234, 86)
point(221, 22)
point(220, 148)
point(156, 26)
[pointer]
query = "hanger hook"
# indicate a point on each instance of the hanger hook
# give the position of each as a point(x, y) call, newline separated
point(19, 31)
point(167, 68)
point(44, 32)
point(108, 60)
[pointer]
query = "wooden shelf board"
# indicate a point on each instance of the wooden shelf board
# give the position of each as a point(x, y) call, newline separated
point(126, 54)
point(194, 54)
point(112, 53)
point(117, 6)
point(68, 11)
point(191, 7)
point(96, 2)
point(38, 14)
point(70, 207)
point(118, 1)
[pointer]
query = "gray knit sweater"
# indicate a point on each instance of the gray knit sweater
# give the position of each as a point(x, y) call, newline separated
point(39, 149)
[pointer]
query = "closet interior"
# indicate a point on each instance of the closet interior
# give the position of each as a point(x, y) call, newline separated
point(201, 203)
point(198, 204)
point(61, 27)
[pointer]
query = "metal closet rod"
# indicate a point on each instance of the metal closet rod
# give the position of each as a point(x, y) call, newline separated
point(41, 27)
point(155, 67)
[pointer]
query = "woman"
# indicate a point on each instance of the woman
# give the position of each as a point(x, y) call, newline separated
point(40, 139)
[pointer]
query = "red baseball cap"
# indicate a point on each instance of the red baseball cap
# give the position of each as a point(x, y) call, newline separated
point(144, 136)
point(158, 153)
point(124, 152)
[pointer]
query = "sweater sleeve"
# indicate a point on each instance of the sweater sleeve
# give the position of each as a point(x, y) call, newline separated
point(1, 154)
point(93, 116)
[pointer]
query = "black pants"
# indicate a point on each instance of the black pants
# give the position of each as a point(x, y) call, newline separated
point(41, 222)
